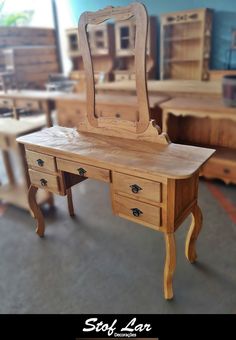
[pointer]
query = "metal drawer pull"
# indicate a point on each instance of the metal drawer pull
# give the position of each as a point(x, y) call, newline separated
point(136, 212)
point(81, 171)
point(43, 182)
point(40, 162)
point(135, 188)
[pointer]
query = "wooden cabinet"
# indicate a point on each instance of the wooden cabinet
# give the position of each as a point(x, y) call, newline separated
point(186, 44)
point(102, 46)
point(125, 32)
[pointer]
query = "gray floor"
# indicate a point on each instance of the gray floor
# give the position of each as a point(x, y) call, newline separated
point(99, 263)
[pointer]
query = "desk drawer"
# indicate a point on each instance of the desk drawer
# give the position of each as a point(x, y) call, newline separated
point(223, 169)
point(84, 170)
point(41, 161)
point(27, 104)
point(44, 181)
point(138, 188)
point(6, 103)
point(120, 76)
point(137, 211)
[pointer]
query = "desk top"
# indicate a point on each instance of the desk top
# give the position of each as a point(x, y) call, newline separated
point(168, 87)
point(13, 127)
point(213, 105)
point(80, 97)
point(119, 154)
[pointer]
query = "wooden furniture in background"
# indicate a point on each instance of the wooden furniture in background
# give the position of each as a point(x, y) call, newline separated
point(171, 88)
point(219, 74)
point(15, 190)
point(205, 122)
point(33, 101)
point(186, 44)
point(72, 108)
point(152, 181)
point(125, 43)
point(30, 53)
point(102, 46)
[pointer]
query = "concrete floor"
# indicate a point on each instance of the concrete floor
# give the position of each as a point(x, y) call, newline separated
point(99, 263)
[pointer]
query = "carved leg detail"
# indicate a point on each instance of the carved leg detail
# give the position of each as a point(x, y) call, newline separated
point(194, 230)
point(170, 264)
point(51, 200)
point(70, 202)
point(37, 214)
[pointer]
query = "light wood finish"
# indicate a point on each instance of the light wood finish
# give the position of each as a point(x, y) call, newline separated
point(186, 44)
point(71, 109)
point(70, 202)
point(171, 88)
point(44, 181)
point(219, 74)
point(147, 214)
point(152, 160)
point(139, 188)
point(126, 153)
point(41, 161)
point(37, 214)
point(170, 264)
point(194, 230)
point(205, 122)
point(84, 170)
point(15, 191)
point(125, 31)
point(31, 100)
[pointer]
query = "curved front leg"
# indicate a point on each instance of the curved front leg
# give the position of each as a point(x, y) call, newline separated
point(170, 264)
point(37, 214)
point(194, 230)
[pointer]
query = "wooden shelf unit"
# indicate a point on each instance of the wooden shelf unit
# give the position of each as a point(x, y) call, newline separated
point(102, 46)
point(125, 40)
point(186, 44)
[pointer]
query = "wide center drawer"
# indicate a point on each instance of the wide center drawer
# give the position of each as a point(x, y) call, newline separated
point(137, 211)
point(44, 181)
point(84, 170)
point(39, 160)
point(138, 188)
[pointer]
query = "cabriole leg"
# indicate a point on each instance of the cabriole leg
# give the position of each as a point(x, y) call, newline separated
point(194, 230)
point(170, 264)
point(37, 214)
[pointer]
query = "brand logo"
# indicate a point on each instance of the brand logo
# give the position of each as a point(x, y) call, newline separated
point(129, 330)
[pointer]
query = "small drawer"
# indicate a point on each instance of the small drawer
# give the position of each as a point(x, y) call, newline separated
point(137, 211)
point(41, 161)
point(216, 169)
point(139, 188)
point(119, 77)
point(6, 103)
point(44, 181)
point(84, 170)
point(27, 104)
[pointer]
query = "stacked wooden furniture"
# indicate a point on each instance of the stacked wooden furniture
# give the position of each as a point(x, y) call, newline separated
point(72, 108)
point(186, 44)
point(102, 47)
point(125, 44)
point(30, 53)
point(205, 122)
point(16, 188)
point(152, 181)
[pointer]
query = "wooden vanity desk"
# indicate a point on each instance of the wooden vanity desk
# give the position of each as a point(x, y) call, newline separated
point(152, 181)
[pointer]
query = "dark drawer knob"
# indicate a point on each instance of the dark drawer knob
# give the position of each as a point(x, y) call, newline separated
point(81, 171)
point(135, 188)
point(136, 212)
point(43, 182)
point(40, 162)
point(226, 171)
